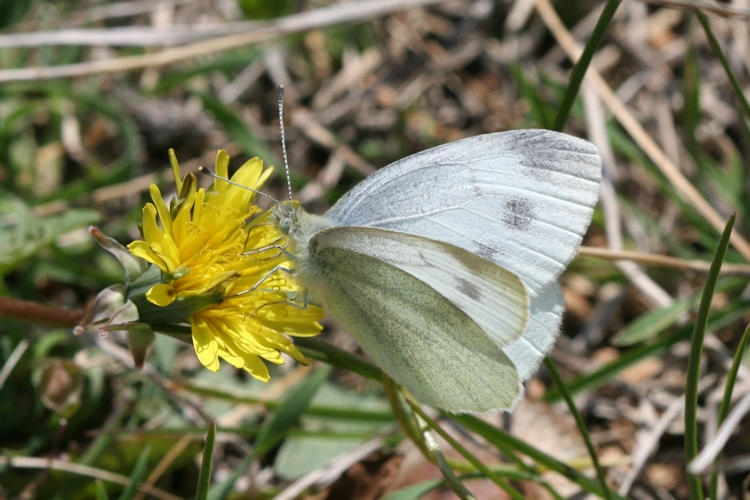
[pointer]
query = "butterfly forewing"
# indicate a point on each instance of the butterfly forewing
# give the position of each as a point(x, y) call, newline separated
point(521, 199)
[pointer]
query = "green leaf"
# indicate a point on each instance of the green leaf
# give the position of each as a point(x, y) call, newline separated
point(649, 325)
point(473, 460)
point(342, 428)
point(229, 63)
point(275, 428)
point(415, 491)
point(541, 111)
point(716, 48)
point(263, 9)
point(453, 482)
point(628, 358)
point(691, 109)
point(726, 402)
point(13, 11)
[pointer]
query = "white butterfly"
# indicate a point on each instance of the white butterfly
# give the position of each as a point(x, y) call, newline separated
point(444, 265)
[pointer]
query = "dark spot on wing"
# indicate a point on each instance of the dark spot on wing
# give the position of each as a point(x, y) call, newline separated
point(518, 213)
point(486, 252)
point(468, 288)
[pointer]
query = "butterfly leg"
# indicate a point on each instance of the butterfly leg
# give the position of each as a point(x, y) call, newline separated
point(260, 281)
point(269, 247)
point(297, 305)
point(280, 248)
point(270, 273)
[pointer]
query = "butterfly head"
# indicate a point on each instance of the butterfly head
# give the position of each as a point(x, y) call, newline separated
point(298, 225)
point(286, 215)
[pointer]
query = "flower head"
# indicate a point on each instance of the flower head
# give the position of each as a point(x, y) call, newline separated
point(220, 256)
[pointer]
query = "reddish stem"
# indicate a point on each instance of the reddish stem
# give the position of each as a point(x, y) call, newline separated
point(33, 312)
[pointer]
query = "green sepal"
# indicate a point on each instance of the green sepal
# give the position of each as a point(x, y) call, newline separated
point(178, 311)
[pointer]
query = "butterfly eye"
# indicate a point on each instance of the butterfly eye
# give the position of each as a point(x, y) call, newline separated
point(284, 224)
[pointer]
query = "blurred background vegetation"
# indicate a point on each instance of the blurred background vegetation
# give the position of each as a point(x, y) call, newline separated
point(93, 93)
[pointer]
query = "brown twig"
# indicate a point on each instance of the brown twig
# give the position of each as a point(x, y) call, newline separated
point(712, 7)
point(82, 470)
point(653, 259)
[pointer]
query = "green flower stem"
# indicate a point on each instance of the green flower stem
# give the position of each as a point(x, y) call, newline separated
point(36, 313)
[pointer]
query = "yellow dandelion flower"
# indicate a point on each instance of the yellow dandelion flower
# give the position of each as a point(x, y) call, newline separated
point(207, 249)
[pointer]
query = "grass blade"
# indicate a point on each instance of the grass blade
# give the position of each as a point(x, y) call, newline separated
point(204, 477)
point(581, 426)
point(576, 77)
point(101, 491)
point(131, 490)
point(713, 485)
point(716, 48)
point(694, 361)
point(508, 444)
point(652, 323)
point(415, 491)
point(604, 374)
point(486, 471)
point(276, 427)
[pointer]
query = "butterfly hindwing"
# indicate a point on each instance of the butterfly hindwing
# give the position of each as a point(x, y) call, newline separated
point(490, 296)
point(419, 337)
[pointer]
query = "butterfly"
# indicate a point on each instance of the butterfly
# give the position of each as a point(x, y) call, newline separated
point(444, 265)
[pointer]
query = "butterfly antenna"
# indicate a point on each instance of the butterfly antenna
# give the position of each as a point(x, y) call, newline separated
point(204, 170)
point(283, 142)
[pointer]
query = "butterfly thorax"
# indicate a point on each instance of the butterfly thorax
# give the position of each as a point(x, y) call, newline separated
point(299, 227)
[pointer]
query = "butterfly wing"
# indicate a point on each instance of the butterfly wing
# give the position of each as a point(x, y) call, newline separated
point(520, 199)
point(430, 314)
